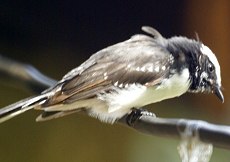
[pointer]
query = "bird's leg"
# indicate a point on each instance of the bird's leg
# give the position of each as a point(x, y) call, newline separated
point(136, 114)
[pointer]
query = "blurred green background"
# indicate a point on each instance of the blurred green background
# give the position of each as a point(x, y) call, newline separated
point(56, 36)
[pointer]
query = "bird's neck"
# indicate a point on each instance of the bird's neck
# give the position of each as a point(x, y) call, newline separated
point(186, 54)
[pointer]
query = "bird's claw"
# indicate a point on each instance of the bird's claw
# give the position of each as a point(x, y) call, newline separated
point(136, 114)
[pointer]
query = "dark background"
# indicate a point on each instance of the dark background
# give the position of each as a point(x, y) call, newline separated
point(56, 36)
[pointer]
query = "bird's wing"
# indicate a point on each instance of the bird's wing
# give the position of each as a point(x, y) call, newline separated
point(139, 60)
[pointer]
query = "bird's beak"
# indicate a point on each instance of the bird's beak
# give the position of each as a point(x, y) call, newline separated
point(217, 91)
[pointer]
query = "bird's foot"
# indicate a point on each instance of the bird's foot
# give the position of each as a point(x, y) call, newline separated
point(136, 114)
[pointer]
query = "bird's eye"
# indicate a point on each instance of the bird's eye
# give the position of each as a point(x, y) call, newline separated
point(210, 68)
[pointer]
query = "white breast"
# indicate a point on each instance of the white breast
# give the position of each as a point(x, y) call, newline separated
point(175, 86)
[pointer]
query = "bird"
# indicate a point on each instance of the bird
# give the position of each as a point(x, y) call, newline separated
point(145, 69)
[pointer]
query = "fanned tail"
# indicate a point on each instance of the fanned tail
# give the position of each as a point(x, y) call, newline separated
point(19, 107)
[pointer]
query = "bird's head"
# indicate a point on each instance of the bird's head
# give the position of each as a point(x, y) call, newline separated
point(203, 65)
point(207, 73)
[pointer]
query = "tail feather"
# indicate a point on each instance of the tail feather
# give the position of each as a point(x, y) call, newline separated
point(19, 107)
point(48, 115)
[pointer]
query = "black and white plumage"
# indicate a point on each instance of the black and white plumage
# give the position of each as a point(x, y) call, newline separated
point(142, 70)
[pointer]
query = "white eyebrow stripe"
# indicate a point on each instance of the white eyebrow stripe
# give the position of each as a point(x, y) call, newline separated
point(206, 51)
